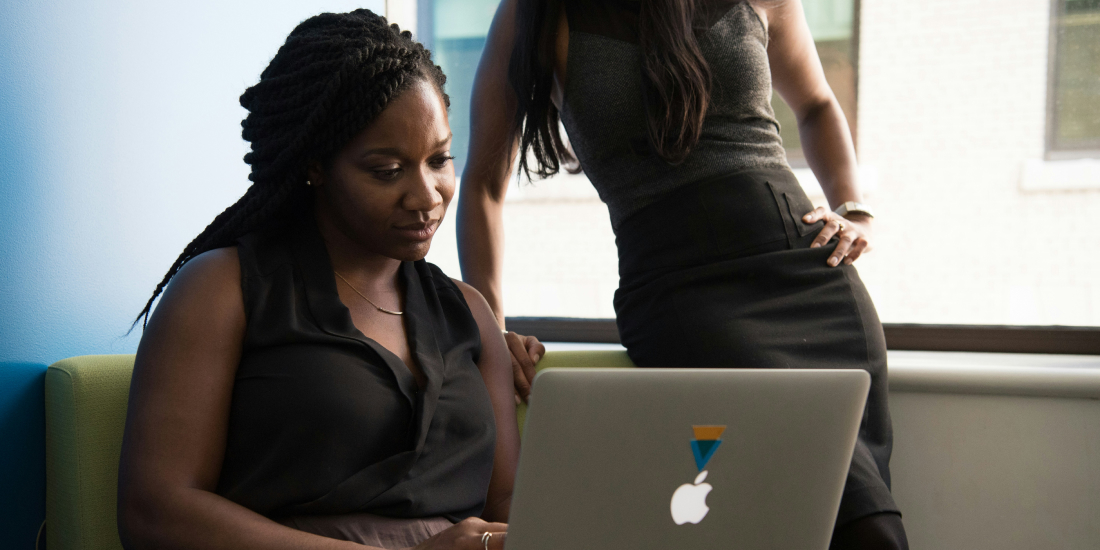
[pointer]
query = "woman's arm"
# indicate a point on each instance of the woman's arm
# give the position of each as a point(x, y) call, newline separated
point(493, 145)
point(826, 140)
point(177, 419)
point(495, 367)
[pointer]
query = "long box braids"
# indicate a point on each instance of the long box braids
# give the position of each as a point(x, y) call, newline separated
point(333, 76)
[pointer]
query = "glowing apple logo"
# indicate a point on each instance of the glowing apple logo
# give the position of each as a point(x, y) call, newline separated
point(689, 501)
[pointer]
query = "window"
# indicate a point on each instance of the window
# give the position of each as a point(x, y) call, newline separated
point(455, 30)
point(1073, 119)
point(955, 121)
point(457, 36)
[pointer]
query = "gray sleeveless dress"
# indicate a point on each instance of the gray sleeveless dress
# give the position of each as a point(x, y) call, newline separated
point(715, 268)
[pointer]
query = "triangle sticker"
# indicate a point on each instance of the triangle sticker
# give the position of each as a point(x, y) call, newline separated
point(703, 450)
point(708, 432)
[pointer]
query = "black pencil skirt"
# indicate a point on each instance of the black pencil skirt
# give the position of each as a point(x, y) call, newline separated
point(721, 274)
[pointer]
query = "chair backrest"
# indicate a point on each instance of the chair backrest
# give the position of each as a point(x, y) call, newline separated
point(85, 412)
point(576, 359)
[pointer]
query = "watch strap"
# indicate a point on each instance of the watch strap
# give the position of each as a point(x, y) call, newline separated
point(853, 207)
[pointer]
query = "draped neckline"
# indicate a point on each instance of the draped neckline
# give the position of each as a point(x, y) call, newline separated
point(333, 317)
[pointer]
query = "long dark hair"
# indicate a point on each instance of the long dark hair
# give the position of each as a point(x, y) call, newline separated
point(675, 81)
point(332, 77)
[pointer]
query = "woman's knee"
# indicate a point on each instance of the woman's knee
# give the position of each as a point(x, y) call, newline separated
point(882, 531)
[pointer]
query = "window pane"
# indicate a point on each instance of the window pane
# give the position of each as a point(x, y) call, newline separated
point(458, 37)
point(1076, 123)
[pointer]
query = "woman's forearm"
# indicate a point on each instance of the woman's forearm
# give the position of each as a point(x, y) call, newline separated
point(493, 145)
point(480, 228)
point(827, 144)
point(497, 510)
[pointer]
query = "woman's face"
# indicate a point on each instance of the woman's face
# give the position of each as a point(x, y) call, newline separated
point(388, 189)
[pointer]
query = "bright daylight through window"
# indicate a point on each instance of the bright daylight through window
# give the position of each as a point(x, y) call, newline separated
point(977, 128)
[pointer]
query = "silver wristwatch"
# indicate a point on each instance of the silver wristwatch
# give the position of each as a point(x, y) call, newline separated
point(853, 207)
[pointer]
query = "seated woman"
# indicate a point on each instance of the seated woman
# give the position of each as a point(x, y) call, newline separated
point(308, 381)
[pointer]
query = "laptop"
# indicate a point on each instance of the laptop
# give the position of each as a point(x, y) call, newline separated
point(685, 458)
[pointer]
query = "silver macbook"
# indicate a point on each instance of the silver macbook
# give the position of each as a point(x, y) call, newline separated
point(684, 458)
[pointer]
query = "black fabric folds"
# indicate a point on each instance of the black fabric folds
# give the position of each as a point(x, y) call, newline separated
point(326, 421)
point(719, 274)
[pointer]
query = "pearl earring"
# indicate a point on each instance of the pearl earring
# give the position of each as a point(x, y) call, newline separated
point(308, 183)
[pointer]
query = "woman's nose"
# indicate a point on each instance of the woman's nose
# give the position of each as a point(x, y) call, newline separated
point(424, 193)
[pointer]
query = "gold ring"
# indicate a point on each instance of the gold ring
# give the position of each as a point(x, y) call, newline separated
point(841, 228)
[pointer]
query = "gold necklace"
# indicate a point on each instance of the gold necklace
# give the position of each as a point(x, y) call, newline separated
point(371, 302)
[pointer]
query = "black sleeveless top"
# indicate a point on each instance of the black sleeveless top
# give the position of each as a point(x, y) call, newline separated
point(603, 109)
point(324, 420)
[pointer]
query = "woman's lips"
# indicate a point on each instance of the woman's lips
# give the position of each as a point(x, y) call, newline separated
point(418, 231)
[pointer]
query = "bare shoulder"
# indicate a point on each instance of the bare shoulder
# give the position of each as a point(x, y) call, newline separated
point(486, 321)
point(779, 16)
point(478, 306)
point(211, 280)
point(221, 267)
point(201, 307)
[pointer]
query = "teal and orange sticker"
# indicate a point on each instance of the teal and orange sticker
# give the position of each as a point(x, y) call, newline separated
point(707, 439)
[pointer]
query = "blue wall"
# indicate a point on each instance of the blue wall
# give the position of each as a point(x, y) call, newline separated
point(119, 141)
point(22, 464)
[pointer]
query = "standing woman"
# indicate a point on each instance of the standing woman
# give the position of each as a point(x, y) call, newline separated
point(307, 380)
point(723, 261)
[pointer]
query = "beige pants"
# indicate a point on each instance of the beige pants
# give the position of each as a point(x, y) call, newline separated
point(370, 529)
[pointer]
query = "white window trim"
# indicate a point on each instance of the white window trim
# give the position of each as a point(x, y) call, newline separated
point(1060, 175)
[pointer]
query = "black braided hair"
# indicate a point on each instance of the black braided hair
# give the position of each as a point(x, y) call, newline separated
point(333, 76)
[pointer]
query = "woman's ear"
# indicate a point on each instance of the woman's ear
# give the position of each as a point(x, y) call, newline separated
point(314, 175)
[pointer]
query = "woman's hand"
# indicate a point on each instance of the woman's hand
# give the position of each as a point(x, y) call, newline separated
point(526, 352)
point(468, 534)
point(854, 234)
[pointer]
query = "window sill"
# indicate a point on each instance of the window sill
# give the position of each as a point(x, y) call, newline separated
point(1060, 175)
point(1053, 340)
point(1018, 374)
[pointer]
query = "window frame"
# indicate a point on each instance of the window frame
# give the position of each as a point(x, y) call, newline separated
point(1059, 340)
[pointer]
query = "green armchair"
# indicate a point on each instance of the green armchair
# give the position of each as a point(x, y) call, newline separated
point(85, 413)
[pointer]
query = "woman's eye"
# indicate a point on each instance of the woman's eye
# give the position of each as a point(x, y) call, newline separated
point(386, 173)
point(440, 162)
